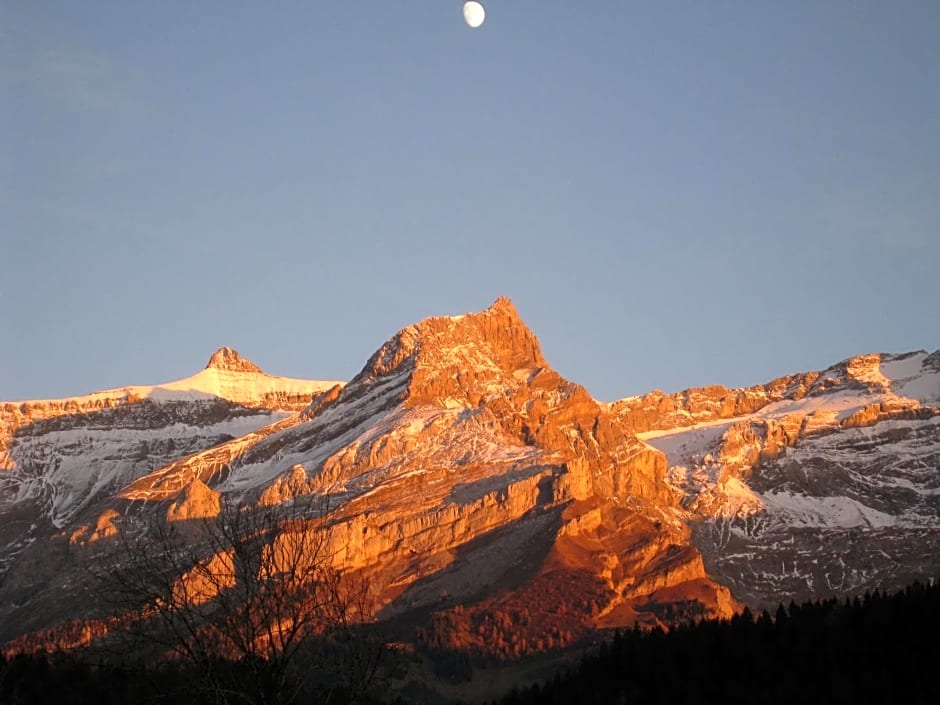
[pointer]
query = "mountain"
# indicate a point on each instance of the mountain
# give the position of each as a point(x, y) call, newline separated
point(493, 505)
point(828, 483)
point(60, 457)
point(66, 453)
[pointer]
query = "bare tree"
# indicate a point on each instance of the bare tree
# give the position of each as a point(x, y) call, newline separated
point(250, 600)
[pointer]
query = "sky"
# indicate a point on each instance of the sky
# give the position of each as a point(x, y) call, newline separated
point(673, 194)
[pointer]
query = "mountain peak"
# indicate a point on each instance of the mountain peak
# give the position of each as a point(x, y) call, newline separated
point(495, 339)
point(513, 342)
point(503, 304)
point(229, 359)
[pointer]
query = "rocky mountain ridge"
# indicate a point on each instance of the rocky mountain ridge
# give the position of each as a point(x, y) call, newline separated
point(476, 487)
point(60, 456)
point(832, 488)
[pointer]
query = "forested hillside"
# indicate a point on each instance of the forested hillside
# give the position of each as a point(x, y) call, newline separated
point(876, 649)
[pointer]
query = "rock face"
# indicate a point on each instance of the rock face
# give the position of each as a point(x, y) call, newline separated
point(196, 501)
point(493, 505)
point(831, 489)
point(657, 411)
point(229, 360)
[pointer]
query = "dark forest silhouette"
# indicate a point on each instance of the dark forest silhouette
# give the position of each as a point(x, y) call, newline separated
point(878, 648)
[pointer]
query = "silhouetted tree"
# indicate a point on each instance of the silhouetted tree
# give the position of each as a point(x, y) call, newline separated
point(251, 601)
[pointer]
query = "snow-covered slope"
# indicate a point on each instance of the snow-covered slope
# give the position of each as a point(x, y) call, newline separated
point(834, 490)
point(227, 376)
point(63, 455)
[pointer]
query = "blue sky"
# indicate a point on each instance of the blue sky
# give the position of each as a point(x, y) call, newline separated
point(673, 194)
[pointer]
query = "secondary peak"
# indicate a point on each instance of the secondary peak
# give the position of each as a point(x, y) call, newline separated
point(229, 359)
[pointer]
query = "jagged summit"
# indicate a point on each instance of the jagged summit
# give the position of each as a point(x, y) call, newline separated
point(503, 304)
point(494, 340)
point(228, 359)
point(488, 367)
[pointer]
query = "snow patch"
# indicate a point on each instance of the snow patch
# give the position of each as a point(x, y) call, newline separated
point(838, 512)
point(208, 384)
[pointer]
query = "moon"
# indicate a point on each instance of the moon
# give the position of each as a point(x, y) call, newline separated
point(474, 14)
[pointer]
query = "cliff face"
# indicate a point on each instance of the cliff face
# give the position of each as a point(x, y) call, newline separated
point(229, 360)
point(658, 411)
point(830, 488)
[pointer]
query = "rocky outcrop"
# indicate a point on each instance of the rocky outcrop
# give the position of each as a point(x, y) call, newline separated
point(290, 485)
point(658, 411)
point(746, 443)
point(886, 410)
point(206, 579)
point(104, 528)
point(229, 360)
point(932, 361)
point(196, 501)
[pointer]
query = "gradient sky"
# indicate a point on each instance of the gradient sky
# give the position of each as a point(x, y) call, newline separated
point(672, 193)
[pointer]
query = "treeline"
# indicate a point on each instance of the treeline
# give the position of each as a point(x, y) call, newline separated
point(62, 679)
point(878, 649)
point(492, 637)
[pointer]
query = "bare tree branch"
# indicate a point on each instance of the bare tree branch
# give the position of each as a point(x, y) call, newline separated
point(250, 599)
